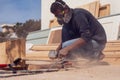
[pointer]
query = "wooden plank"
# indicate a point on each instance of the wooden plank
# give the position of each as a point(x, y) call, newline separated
point(112, 54)
point(53, 44)
point(16, 48)
point(38, 62)
point(113, 44)
point(86, 7)
point(92, 7)
point(3, 57)
point(55, 36)
point(10, 50)
point(22, 47)
point(44, 67)
point(114, 41)
point(43, 48)
point(97, 9)
point(112, 61)
point(53, 23)
point(104, 10)
point(37, 54)
point(42, 51)
point(36, 58)
point(112, 49)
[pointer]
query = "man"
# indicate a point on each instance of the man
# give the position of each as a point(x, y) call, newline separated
point(82, 34)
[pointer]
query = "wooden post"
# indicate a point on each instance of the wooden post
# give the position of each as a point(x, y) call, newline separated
point(10, 50)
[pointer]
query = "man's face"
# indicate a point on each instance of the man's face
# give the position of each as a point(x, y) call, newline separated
point(63, 16)
point(59, 14)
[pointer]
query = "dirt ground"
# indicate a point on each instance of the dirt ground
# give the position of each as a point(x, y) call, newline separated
point(94, 72)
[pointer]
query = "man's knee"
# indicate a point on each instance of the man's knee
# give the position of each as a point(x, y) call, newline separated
point(69, 42)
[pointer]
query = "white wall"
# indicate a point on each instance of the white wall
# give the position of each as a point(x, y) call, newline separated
point(47, 16)
point(111, 26)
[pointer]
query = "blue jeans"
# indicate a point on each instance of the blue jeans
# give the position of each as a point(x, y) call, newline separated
point(91, 49)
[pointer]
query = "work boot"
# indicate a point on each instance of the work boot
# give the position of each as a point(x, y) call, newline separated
point(97, 57)
point(101, 56)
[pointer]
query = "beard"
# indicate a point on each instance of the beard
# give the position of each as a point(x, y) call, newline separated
point(66, 19)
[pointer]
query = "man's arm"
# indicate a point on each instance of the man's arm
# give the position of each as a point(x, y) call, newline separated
point(59, 47)
point(76, 44)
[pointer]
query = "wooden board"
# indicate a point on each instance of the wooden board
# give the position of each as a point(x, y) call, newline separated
point(10, 50)
point(104, 10)
point(112, 54)
point(112, 61)
point(86, 6)
point(43, 48)
point(92, 7)
point(38, 62)
point(112, 48)
point(54, 23)
point(113, 44)
point(3, 56)
point(55, 35)
point(36, 58)
point(40, 52)
point(44, 67)
point(114, 41)
point(37, 54)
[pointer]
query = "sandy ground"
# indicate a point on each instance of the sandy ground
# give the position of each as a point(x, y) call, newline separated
point(94, 72)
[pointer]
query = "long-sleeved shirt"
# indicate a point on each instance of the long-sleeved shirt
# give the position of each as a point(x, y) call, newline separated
point(83, 25)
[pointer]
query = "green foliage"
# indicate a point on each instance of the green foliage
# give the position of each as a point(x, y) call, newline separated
point(22, 29)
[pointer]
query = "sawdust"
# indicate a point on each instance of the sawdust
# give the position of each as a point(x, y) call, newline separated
point(88, 71)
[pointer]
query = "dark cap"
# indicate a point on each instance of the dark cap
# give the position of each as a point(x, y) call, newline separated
point(58, 5)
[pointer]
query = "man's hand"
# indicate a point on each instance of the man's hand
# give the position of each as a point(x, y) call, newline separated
point(63, 52)
point(59, 47)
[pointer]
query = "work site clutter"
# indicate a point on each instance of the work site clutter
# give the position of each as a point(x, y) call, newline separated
point(9, 32)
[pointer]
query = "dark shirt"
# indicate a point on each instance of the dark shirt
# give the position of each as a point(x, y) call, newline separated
point(83, 25)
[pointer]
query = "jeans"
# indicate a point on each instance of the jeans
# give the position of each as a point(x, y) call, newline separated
point(91, 49)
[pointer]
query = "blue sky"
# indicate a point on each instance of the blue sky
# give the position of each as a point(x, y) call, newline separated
point(12, 11)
